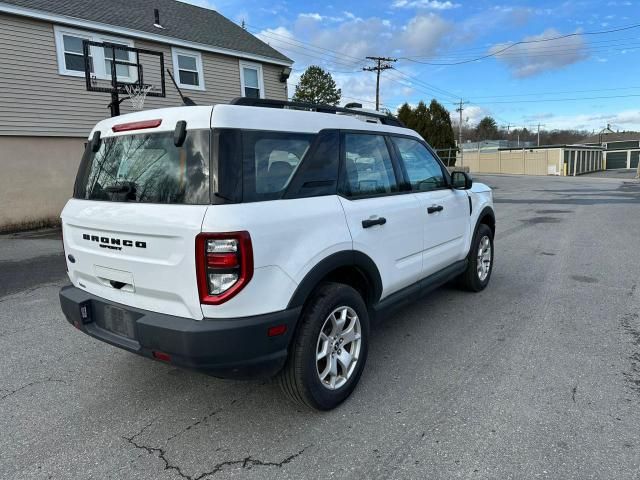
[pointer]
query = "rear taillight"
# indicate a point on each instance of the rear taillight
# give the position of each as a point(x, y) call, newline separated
point(224, 265)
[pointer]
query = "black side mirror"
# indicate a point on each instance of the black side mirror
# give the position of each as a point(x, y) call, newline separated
point(95, 141)
point(180, 133)
point(461, 180)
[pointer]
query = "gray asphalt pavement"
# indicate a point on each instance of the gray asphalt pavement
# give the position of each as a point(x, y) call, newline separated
point(536, 377)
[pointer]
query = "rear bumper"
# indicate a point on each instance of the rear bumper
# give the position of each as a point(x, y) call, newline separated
point(231, 348)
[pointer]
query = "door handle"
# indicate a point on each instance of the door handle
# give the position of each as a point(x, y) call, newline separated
point(373, 221)
point(434, 209)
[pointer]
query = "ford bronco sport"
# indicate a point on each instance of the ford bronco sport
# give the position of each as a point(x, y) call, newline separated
point(260, 238)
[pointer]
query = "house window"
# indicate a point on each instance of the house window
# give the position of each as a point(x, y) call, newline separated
point(69, 45)
point(187, 66)
point(73, 57)
point(251, 81)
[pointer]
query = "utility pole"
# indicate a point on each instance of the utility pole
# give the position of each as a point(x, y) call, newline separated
point(540, 125)
point(378, 69)
point(459, 110)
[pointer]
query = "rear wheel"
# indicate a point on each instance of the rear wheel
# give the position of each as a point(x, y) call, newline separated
point(480, 261)
point(330, 348)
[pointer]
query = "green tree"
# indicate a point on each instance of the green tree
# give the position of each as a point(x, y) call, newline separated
point(433, 123)
point(440, 134)
point(317, 86)
point(405, 115)
point(487, 129)
point(422, 120)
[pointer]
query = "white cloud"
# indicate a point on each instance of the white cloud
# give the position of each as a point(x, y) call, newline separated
point(341, 48)
point(525, 60)
point(313, 16)
point(471, 115)
point(422, 35)
point(425, 4)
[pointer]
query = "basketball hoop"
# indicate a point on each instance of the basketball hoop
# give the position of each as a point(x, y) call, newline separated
point(137, 93)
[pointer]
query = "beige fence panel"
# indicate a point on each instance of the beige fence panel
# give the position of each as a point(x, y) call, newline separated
point(511, 162)
point(535, 162)
point(489, 163)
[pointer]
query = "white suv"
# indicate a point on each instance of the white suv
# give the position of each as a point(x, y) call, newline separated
point(259, 238)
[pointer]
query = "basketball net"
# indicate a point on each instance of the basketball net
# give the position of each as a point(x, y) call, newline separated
point(137, 94)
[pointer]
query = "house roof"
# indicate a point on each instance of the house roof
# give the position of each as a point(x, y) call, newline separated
point(612, 137)
point(181, 21)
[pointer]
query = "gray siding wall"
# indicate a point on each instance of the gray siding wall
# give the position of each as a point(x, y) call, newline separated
point(35, 100)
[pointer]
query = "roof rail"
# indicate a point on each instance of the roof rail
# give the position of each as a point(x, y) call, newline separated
point(271, 103)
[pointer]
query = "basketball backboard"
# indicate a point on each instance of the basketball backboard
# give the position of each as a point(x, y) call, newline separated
point(119, 69)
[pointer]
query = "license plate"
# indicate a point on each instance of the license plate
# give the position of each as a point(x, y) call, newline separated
point(118, 321)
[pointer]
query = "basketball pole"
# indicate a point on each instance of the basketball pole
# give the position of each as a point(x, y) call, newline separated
point(115, 104)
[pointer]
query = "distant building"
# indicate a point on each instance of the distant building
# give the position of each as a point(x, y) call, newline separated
point(492, 145)
point(622, 149)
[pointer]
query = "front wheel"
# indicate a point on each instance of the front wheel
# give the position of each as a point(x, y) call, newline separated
point(480, 261)
point(329, 350)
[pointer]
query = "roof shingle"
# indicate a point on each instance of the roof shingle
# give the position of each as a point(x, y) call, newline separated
point(180, 21)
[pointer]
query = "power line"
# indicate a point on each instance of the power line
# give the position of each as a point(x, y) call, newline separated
point(539, 100)
point(477, 50)
point(425, 84)
point(273, 34)
point(556, 93)
point(463, 54)
point(522, 42)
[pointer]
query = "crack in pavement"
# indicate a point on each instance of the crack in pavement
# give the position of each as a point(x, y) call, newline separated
point(37, 382)
point(246, 462)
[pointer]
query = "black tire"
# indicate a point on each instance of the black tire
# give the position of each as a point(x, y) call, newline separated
point(299, 378)
point(470, 279)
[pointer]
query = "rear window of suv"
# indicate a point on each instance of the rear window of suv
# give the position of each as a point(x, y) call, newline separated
point(147, 168)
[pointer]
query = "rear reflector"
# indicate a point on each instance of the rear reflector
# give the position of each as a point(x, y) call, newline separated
point(125, 127)
point(277, 330)
point(164, 357)
point(222, 260)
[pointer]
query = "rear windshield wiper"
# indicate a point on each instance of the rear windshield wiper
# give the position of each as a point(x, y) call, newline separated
point(127, 189)
point(118, 189)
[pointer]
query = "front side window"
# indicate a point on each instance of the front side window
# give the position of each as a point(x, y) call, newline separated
point(146, 168)
point(422, 167)
point(251, 80)
point(367, 166)
point(188, 67)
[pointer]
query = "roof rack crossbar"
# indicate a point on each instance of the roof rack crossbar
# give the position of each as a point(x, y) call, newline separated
point(271, 103)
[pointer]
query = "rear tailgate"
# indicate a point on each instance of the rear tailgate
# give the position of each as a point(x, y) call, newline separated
point(139, 201)
point(142, 255)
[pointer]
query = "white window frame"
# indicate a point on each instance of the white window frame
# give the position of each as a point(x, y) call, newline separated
point(253, 66)
point(99, 65)
point(176, 68)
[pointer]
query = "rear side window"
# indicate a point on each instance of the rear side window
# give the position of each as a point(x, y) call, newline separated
point(422, 168)
point(270, 160)
point(147, 168)
point(367, 165)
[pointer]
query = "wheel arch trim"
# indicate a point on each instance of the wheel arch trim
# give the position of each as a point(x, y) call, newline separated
point(345, 258)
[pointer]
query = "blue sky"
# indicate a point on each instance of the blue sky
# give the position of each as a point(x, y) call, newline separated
point(527, 84)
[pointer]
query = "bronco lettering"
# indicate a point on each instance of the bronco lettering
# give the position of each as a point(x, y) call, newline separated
point(108, 242)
